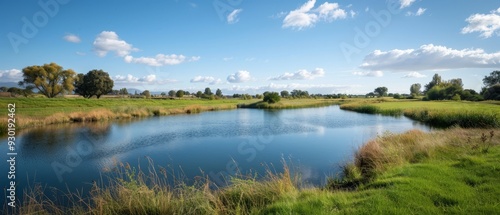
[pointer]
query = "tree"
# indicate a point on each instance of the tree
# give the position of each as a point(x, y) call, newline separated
point(492, 79)
point(146, 93)
point(163, 94)
point(218, 93)
point(179, 93)
point(94, 83)
point(381, 91)
point(436, 80)
point(123, 91)
point(284, 93)
point(492, 93)
point(415, 89)
point(208, 91)
point(50, 79)
point(271, 97)
point(171, 93)
point(3, 89)
point(199, 94)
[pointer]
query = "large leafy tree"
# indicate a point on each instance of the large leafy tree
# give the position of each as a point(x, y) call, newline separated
point(415, 89)
point(381, 91)
point(436, 81)
point(492, 79)
point(94, 83)
point(271, 97)
point(50, 79)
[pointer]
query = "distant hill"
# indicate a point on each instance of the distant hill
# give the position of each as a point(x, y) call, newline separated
point(8, 84)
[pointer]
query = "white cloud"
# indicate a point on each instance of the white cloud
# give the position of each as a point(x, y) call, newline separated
point(414, 75)
point(352, 13)
point(233, 16)
point(206, 79)
point(146, 80)
point(306, 16)
point(419, 12)
point(369, 73)
point(160, 59)
point(108, 41)
point(429, 57)
point(11, 75)
point(72, 38)
point(486, 24)
point(301, 75)
point(239, 77)
point(227, 58)
point(405, 3)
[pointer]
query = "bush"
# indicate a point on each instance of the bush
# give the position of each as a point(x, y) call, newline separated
point(272, 97)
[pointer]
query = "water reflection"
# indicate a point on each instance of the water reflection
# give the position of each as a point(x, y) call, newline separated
point(316, 139)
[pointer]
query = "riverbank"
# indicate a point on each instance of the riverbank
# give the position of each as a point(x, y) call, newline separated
point(35, 112)
point(436, 113)
point(446, 171)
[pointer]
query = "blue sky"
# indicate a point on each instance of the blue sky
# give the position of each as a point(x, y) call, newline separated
point(240, 46)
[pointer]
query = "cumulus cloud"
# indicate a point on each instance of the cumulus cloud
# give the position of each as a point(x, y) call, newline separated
point(72, 38)
point(206, 79)
point(405, 3)
point(307, 16)
point(160, 59)
point(429, 57)
point(108, 41)
point(233, 16)
point(486, 24)
point(11, 75)
point(369, 73)
point(414, 75)
point(301, 75)
point(145, 80)
point(419, 12)
point(239, 77)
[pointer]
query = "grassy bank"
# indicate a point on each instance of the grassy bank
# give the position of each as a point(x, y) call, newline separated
point(435, 113)
point(447, 171)
point(292, 103)
point(31, 112)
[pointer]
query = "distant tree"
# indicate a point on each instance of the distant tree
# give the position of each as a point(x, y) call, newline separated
point(50, 79)
point(218, 93)
point(370, 95)
point(381, 91)
point(456, 97)
point(271, 97)
point(299, 94)
point(436, 81)
point(163, 94)
point(208, 91)
point(397, 96)
point(284, 94)
point(179, 93)
point(146, 93)
point(236, 95)
point(171, 93)
point(123, 91)
point(259, 96)
point(199, 94)
point(186, 92)
point(3, 89)
point(415, 89)
point(492, 79)
point(94, 83)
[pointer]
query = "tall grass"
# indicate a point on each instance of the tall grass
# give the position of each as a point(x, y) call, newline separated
point(147, 191)
point(439, 116)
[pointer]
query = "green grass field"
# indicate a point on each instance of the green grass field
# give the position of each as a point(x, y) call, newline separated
point(437, 113)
